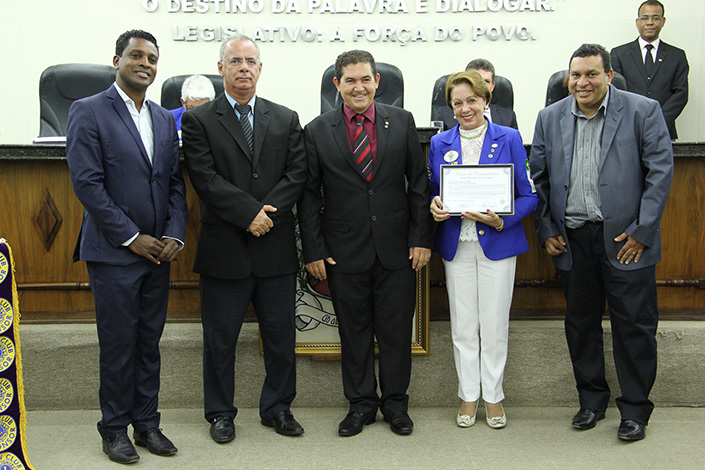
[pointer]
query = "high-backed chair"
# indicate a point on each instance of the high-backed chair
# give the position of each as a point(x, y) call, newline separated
point(557, 88)
point(61, 85)
point(171, 89)
point(390, 90)
point(503, 95)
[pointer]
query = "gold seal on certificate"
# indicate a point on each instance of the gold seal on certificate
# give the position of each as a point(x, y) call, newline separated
point(476, 188)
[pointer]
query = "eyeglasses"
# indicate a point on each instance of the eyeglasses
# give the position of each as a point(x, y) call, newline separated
point(645, 19)
point(251, 62)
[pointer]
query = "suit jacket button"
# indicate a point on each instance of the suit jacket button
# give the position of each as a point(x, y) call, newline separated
point(255, 176)
point(374, 218)
point(370, 192)
point(481, 232)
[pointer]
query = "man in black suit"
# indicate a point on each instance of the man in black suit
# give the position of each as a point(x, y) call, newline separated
point(493, 112)
point(653, 68)
point(365, 231)
point(123, 153)
point(245, 156)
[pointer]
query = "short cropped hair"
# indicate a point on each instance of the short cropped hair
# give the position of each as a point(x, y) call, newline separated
point(125, 37)
point(653, 3)
point(587, 50)
point(354, 57)
point(472, 78)
point(238, 38)
point(197, 87)
point(480, 64)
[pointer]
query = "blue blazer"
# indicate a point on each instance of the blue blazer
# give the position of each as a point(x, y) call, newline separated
point(121, 191)
point(178, 113)
point(508, 148)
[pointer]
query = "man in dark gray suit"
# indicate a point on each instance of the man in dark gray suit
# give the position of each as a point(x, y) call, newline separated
point(245, 156)
point(602, 164)
point(653, 68)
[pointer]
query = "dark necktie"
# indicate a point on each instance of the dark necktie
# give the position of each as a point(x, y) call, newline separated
point(649, 60)
point(361, 148)
point(244, 110)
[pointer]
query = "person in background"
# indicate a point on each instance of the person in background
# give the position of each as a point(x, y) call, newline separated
point(652, 67)
point(479, 249)
point(195, 91)
point(493, 112)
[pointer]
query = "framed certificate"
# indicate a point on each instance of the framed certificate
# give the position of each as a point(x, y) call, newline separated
point(476, 188)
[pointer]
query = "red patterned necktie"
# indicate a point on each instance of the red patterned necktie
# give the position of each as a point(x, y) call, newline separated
point(361, 148)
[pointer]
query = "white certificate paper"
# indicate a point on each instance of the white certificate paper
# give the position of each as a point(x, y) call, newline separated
point(476, 188)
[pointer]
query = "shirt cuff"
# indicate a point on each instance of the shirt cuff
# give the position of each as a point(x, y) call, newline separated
point(181, 244)
point(127, 243)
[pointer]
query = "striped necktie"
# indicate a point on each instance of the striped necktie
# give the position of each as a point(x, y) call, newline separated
point(361, 148)
point(244, 110)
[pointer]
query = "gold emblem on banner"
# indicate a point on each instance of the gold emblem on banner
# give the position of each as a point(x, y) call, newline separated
point(4, 267)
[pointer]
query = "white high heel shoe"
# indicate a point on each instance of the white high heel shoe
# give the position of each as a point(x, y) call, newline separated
point(465, 421)
point(497, 422)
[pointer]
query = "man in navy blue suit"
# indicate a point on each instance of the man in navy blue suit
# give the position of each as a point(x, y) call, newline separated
point(123, 153)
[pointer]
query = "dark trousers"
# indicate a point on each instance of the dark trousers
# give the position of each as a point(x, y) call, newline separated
point(631, 298)
point(130, 307)
point(375, 303)
point(224, 304)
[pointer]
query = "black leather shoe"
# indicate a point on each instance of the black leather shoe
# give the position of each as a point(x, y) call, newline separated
point(120, 449)
point(284, 424)
point(222, 429)
point(155, 442)
point(587, 418)
point(630, 430)
point(353, 423)
point(400, 422)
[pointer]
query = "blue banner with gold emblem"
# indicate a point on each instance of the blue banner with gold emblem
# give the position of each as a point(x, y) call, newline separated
point(13, 417)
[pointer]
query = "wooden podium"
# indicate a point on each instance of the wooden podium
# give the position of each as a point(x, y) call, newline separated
point(41, 219)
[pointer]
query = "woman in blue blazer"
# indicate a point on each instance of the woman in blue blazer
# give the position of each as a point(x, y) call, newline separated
point(479, 250)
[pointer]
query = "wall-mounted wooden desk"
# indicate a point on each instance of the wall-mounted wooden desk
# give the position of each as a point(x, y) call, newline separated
point(41, 216)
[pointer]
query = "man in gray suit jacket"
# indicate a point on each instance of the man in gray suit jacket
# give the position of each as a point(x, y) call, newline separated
point(602, 163)
point(653, 68)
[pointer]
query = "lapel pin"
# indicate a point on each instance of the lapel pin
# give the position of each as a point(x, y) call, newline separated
point(451, 156)
point(494, 146)
point(386, 124)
